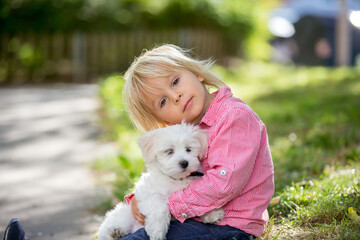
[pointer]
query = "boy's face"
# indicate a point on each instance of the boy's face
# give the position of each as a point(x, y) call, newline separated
point(179, 97)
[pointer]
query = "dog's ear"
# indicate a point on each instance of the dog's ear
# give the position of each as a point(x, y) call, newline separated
point(146, 143)
point(201, 137)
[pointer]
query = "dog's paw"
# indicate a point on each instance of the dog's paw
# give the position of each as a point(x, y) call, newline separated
point(157, 235)
point(111, 233)
point(214, 216)
point(156, 231)
point(103, 236)
point(117, 233)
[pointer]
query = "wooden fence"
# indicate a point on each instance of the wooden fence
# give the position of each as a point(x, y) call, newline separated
point(82, 57)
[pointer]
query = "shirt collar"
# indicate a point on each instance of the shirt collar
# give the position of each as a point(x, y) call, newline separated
point(221, 96)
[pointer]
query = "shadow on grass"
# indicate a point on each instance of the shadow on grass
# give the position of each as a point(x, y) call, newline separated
point(310, 126)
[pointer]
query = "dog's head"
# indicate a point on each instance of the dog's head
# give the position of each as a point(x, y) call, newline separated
point(175, 150)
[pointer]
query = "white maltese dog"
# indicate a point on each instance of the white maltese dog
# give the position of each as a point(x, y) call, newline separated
point(171, 158)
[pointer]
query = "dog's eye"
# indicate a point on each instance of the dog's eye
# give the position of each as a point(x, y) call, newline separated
point(169, 151)
point(188, 149)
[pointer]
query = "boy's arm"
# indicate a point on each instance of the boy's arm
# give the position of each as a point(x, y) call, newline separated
point(231, 159)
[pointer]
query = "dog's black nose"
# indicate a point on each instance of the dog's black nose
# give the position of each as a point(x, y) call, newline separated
point(184, 164)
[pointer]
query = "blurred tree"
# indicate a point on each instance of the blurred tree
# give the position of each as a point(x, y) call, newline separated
point(39, 15)
point(233, 17)
point(44, 25)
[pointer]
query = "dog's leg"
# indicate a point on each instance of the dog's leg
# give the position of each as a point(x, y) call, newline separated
point(214, 216)
point(117, 223)
point(157, 218)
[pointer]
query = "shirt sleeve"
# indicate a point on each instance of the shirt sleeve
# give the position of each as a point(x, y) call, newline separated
point(231, 159)
point(129, 197)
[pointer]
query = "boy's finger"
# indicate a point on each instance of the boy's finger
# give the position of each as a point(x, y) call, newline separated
point(140, 215)
point(140, 218)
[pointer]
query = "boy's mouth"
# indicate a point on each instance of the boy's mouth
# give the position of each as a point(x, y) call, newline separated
point(188, 104)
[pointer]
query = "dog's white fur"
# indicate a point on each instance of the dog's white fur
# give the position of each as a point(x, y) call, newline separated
point(166, 152)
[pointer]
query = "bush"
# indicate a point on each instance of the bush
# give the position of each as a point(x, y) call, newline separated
point(234, 17)
point(128, 165)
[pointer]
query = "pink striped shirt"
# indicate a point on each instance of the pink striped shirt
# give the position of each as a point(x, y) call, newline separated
point(239, 173)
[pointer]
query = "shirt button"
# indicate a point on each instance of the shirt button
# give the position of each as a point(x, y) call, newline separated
point(184, 215)
point(222, 172)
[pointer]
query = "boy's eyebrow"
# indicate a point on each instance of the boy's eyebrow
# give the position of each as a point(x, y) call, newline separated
point(148, 100)
point(153, 100)
point(154, 90)
point(154, 103)
point(173, 75)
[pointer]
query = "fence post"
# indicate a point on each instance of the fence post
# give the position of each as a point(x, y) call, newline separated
point(79, 57)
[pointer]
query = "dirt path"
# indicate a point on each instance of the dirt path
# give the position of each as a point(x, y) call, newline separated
point(48, 135)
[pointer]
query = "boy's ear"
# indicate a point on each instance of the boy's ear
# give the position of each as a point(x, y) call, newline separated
point(201, 78)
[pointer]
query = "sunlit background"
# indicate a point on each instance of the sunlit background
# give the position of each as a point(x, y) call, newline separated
point(80, 40)
point(68, 149)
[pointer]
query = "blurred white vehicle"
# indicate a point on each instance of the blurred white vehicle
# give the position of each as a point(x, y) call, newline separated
point(304, 31)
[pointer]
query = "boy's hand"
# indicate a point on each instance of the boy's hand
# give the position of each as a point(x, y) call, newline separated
point(136, 213)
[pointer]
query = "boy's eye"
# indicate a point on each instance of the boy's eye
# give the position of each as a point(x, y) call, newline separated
point(175, 82)
point(162, 102)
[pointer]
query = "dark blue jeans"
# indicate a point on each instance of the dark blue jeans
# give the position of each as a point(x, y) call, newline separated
point(14, 231)
point(194, 230)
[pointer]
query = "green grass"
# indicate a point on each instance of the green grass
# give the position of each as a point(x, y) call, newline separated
point(313, 120)
point(320, 207)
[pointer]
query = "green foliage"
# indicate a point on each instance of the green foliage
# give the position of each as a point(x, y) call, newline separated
point(127, 166)
point(116, 119)
point(128, 173)
point(353, 156)
point(124, 170)
point(39, 15)
point(21, 54)
point(93, 15)
point(31, 58)
point(256, 46)
point(241, 24)
point(240, 21)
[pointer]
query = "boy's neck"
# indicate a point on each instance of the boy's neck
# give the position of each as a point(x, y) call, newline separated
point(208, 100)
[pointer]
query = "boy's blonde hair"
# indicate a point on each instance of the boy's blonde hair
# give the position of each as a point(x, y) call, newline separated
point(162, 61)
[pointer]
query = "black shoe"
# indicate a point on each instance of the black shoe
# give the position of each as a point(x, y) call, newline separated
point(14, 231)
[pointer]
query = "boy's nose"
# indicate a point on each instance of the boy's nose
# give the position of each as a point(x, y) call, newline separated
point(177, 97)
